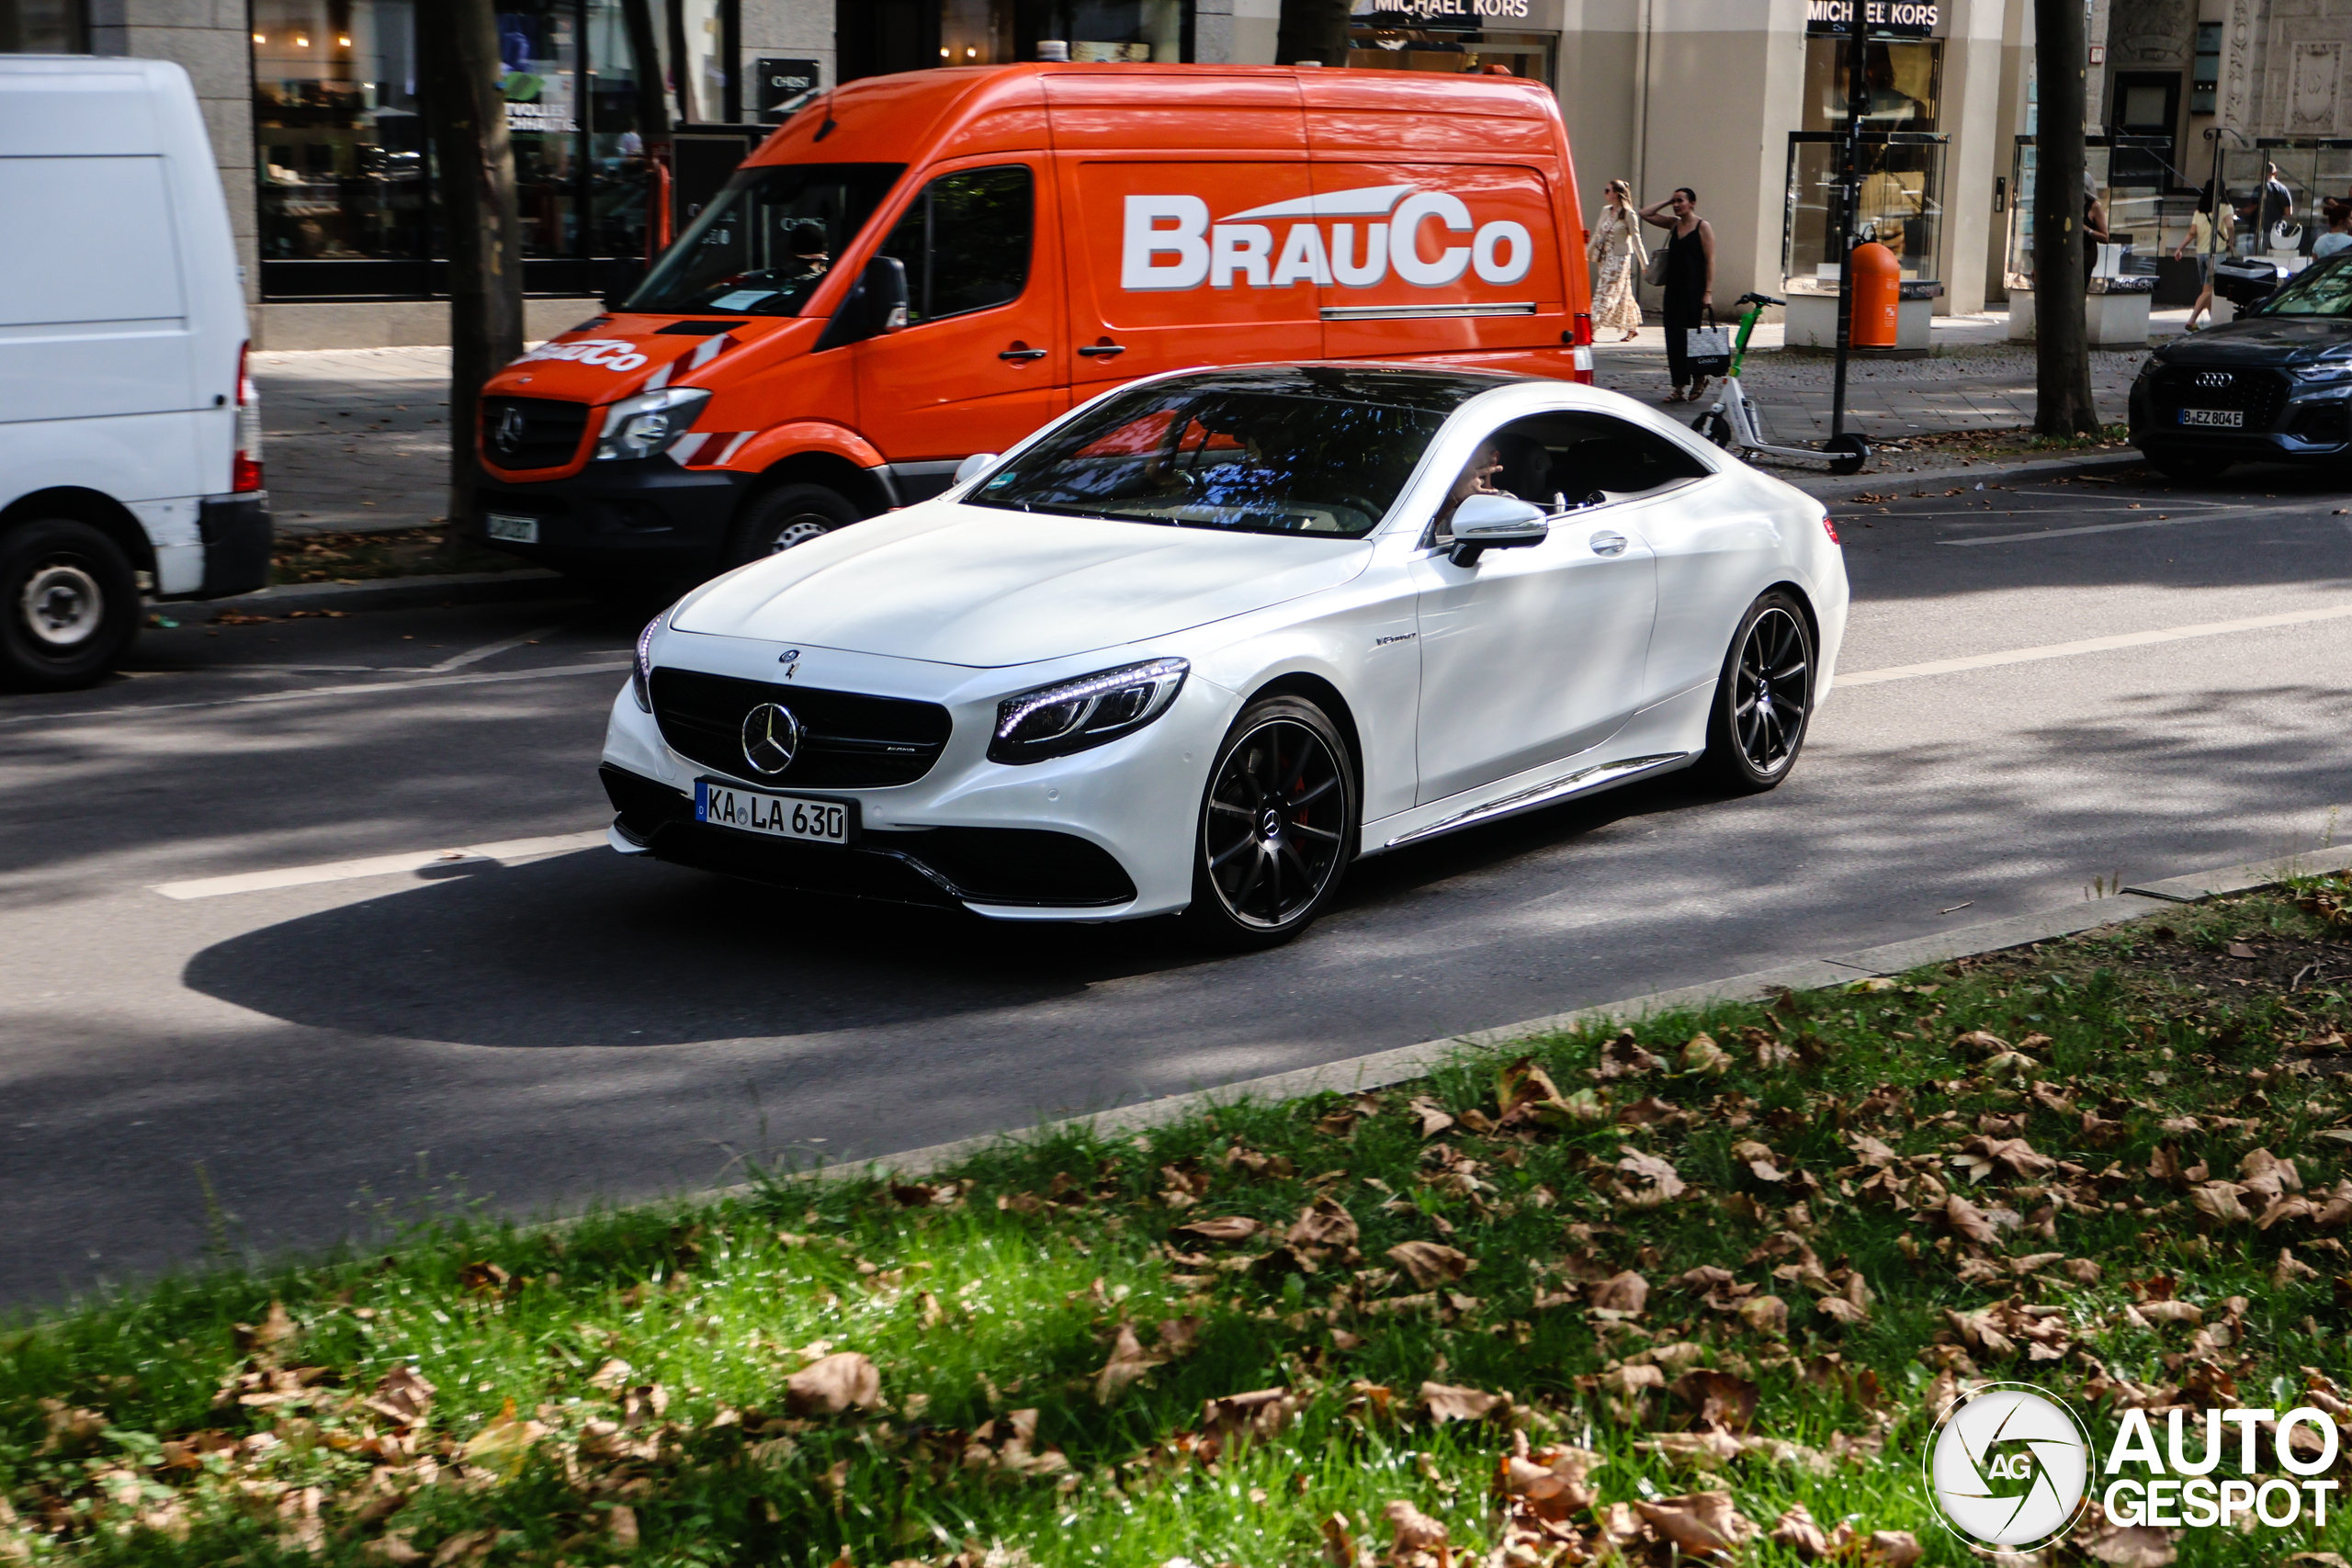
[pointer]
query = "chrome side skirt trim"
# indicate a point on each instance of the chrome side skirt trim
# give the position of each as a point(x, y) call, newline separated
point(1593, 777)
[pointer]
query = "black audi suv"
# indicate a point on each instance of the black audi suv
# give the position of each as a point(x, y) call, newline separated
point(2274, 385)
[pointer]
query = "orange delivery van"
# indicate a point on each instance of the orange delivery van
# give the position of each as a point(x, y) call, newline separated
point(918, 268)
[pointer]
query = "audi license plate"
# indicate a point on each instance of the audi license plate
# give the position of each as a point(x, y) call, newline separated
point(778, 816)
point(519, 530)
point(2228, 419)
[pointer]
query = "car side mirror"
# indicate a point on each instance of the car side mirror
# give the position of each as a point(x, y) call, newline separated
point(1495, 523)
point(972, 467)
point(876, 303)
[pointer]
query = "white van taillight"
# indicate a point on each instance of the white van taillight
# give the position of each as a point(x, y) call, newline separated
point(246, 473)
point(1580, 350)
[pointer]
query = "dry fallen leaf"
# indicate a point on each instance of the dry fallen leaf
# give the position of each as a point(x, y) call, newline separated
point(1446, 1403)
point(1627, 1294)
point(1699, 1524)
point(1430, 1264)
point(1231, 1227)
point(833, 1384)
point(1415, 1531)
point(1702, 1055)
point(1128, 1361)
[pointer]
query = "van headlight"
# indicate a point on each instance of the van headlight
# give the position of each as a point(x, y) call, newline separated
point(1093, 710)
point(646, 424)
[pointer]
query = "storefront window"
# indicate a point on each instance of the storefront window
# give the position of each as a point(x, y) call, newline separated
point(339, 131)
point(44, 26)
point(2146, 225)
point(1904, 77)
point(1901, 205)
point(347, 206)
point(1375, 45)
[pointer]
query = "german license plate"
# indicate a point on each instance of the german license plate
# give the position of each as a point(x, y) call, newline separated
point(514, 530)
point(2227, 419)
point(777, 816)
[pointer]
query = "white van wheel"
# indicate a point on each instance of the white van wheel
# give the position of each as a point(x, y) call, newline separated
point(69, 605)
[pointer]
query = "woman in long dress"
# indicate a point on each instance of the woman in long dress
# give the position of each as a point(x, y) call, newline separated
point(1615, 257)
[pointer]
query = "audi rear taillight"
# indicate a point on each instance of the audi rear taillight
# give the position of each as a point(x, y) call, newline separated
point(1580, 350)
point(244, 473)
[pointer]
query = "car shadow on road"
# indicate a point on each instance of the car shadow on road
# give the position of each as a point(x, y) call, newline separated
point(590, 950)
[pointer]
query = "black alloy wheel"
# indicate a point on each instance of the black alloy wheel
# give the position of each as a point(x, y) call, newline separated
point(785, 518)
point(1277, 827)
point(1765, 696)
point(69, 605)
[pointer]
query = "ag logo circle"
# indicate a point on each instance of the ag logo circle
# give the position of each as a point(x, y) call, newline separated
point(771, 736)
point(2009, 1467)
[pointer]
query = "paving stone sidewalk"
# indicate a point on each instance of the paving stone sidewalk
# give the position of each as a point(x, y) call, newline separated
point(357, 438)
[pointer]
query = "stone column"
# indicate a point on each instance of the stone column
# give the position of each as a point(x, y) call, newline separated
point(789, 29)
point(213, 40)
point(1979, 149)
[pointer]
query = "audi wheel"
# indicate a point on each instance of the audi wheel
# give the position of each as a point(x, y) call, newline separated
point(1764, 699)
point(1277, 827)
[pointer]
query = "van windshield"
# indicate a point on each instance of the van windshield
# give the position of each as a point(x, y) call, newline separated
point(1251, 452)
point(769, 238)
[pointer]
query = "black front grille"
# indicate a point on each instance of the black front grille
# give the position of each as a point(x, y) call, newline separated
point(849, 740)
point(2258, 394)
point(532, 432)
point(943, 866)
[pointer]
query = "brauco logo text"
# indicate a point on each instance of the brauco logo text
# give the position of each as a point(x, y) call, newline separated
point(2170, 1488)
point(1170, 242)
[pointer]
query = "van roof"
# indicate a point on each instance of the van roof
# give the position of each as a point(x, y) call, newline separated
point(903, 117)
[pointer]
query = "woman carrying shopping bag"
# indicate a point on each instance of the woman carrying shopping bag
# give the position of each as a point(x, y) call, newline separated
point(1689, 281)
point(1615, 256)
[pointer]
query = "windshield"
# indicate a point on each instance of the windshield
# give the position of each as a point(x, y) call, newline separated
point(1292, 452)
point(2324, 289)
point(765, 244)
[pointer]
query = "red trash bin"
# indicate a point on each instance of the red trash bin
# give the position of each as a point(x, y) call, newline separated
point(1878, 295)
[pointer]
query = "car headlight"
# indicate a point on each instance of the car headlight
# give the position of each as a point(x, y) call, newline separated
point(1071, 715)
point(646, 424)
point(2325, 371)
point(640, 674)
point(2149, 367)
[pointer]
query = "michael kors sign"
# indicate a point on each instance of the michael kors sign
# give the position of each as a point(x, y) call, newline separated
point(1903, 19)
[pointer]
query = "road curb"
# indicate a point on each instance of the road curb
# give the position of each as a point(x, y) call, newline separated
point(1403, 1064)
point(1829, 486)
point(392, 593)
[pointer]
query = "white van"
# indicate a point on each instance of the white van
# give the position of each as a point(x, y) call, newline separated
point(130, 437)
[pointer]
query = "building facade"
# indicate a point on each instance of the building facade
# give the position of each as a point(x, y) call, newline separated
point(315, 110)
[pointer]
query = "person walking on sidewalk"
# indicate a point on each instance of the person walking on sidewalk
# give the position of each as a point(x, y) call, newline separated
point(2211, 229)
point(1615, 258)
point(1689, 283)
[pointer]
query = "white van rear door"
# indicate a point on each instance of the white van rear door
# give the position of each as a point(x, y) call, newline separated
point(93, 314)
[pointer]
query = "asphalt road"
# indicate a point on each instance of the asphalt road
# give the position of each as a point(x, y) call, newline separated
point(284, 1065)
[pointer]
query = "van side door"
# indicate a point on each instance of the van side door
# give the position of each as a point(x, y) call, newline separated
point(1175, 195)
point(982, 360)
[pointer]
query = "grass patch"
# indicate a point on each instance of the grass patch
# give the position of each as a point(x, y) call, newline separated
point(366, 554)
point(1703, 1272)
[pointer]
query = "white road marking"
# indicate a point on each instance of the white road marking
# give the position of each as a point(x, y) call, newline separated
point(430, 681)
point(2088, 645)
point(504, 853)
point(491, 650)
point(2086, 528)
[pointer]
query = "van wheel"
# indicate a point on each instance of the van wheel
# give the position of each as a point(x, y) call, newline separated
point(785, 518)
point(69, 605)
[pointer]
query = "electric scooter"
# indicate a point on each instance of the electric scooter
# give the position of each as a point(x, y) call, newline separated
point(1730, 421)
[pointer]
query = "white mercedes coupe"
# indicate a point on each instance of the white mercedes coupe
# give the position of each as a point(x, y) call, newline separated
point(1209, 637)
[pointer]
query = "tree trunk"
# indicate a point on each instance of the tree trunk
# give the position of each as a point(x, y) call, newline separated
point(1313, 29)
point(480, 219)
point(2063, 405)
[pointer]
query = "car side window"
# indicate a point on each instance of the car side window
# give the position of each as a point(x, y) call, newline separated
point(965, 242)
point(1575, 459)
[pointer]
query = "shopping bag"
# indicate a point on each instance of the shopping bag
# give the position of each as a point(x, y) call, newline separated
point(1708, 347)
point(1654, 270)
